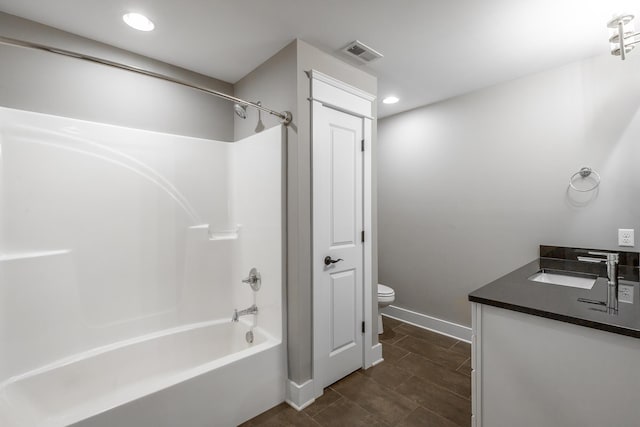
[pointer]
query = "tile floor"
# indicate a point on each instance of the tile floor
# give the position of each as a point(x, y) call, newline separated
point(423, 381)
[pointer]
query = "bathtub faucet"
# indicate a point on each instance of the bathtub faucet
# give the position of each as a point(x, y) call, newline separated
point(251, 310)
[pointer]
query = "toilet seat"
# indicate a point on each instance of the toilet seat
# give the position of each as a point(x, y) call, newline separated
point(386, 299)
point(385, 294)
point(385, 291)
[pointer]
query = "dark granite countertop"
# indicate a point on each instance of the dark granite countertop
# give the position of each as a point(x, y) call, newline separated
point(515, 292)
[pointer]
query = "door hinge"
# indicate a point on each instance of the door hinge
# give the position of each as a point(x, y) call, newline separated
point(363, 236)
point(363, 327)
point(363, 145)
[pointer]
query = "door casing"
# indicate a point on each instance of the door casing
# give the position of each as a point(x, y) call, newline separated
point(329, 92)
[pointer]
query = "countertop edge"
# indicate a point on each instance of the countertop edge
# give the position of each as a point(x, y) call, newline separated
point(555, 316)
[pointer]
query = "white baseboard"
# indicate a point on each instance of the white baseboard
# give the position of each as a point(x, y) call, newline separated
point(300, 396)
point(444, 327)
point(375, 355)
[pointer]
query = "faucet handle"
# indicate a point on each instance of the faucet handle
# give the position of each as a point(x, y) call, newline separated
point(254, 280)
point(591, 259)
point(611, 256)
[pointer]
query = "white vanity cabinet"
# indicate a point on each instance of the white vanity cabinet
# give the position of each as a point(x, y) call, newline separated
point(531, 371)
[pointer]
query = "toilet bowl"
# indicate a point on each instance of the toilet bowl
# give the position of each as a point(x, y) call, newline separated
point(386, 296)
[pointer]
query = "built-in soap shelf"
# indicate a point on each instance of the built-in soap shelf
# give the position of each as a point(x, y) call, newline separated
point(33, 254)
point(210, 234)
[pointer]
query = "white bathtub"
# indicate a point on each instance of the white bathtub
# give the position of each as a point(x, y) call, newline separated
point(203, 374)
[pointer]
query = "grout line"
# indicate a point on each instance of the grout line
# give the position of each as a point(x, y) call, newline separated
point(439, 415)
point(453, 345)
point(408, 414)
point(465, 361)
point(406, 336)
point(436, 362)
point(328, 406)
point(395, 339)
point(427, 340)
point(428, 380)
point(355, 403)
point(411, 375)
point(390, 389)
point(385, 385)
point(406, 355)
point(312, 420)
point(400, 323)
point(445, 389)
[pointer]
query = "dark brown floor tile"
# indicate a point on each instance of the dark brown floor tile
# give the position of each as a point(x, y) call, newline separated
point(328, 397)
point(392, 353)
point(438, 400)
point(387, 374)
point(345, 413)
point(256, 421)
point(289, 417)
point(435, 353)
point(447, 378)
point(424, 417)
point(390, 323)
point(420, 368)
point(424, 334)
point(462, 348)
point(379, 400)
point(390, 336)
point(465, 368)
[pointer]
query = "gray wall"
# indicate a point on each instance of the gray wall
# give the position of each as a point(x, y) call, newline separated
point(272, 84)
point(281, 83)
point(469, 187)
point(47, 83)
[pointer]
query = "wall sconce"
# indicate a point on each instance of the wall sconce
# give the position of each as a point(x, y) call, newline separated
point(624, 36)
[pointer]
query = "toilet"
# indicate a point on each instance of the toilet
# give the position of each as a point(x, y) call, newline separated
point(386, 296)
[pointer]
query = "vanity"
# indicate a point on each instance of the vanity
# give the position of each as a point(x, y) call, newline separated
point(551, 347)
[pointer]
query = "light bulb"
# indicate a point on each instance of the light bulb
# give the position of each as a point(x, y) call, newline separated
point(138, 21)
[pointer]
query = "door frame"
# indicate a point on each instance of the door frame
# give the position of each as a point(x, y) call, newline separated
point(332, 93)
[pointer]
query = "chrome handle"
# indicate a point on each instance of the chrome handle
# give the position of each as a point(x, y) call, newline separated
point(592, 301)
point(589, 259)
point(254, 280)
point(609, 257)
point(329, 261)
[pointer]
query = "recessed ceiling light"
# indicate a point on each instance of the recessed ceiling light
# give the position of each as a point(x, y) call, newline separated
point(390, 100)
point(138, 21)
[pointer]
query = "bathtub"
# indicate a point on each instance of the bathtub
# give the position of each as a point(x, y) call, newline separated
point(203, 374)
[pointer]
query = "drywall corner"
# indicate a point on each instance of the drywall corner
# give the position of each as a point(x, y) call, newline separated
point(273, 84)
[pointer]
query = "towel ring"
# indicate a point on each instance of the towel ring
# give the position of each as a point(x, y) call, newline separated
point(583, 173)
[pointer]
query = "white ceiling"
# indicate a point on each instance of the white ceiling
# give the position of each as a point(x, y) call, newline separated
point(433, 49)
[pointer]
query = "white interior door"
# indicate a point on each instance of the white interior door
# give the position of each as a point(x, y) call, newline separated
point(337, 244)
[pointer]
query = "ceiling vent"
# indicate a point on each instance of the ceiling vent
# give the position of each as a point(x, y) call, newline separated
point(361, 52)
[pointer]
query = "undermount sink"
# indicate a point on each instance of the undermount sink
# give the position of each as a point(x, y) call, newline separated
point(565, 278)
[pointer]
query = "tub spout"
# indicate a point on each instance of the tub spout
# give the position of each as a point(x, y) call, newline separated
point(236, 314)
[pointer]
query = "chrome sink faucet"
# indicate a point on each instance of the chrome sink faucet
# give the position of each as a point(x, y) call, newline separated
point(612, 259)
point(251, 310)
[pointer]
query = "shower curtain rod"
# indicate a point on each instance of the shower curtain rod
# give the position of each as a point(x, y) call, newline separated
point(285, 116)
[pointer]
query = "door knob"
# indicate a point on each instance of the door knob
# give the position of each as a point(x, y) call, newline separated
point(329, 261)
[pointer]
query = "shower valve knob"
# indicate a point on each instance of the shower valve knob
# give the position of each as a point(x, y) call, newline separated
point(254, 280)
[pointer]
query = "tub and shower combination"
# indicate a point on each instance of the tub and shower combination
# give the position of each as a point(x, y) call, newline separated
point(122, 254)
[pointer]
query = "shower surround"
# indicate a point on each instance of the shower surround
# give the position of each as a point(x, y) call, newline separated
point(121, 258)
